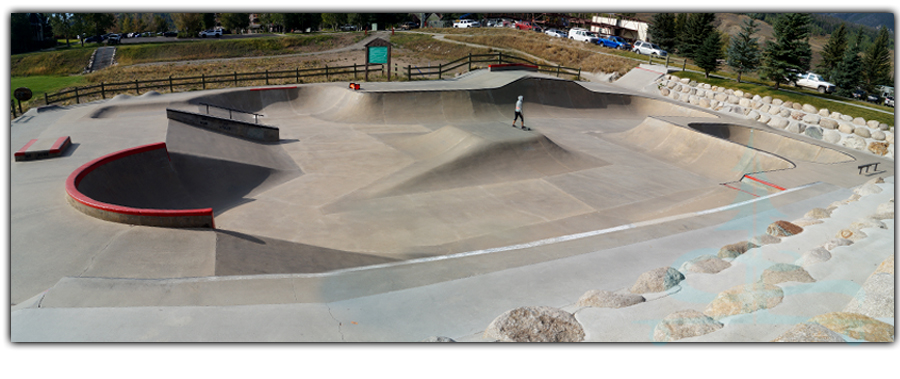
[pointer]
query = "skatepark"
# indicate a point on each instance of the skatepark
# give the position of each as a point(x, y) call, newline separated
point(403, 211)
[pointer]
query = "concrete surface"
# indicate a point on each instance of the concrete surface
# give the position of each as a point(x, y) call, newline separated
point(394, 213)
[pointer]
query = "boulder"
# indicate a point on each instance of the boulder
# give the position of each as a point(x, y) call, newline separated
point(684, 324)
point(862, 132)
point(859, 121)
point(721, 97)
point(804, 222)
point(686, 89)
point(765, 239)
point(783, 228)
point(868, 223)
point(852, 198)
point(693, 99)
point(739, 93)
point(704, 102)
point(886, 266)
point(733, 99)
point(757, 98)
point(856, 326)
point(872, 124)
point(831, 136)
point(705, 264)
point(746, 298)
point(851, 234)
point(607, 299)
point(713, 103)
point(438, 339)
point(675, 95)
point(671, 85)
point(744, 103)
point(753, 115)
point(685, 80)
point(678, 88)
point(775, 110)
point(823, 113)
point(809, 108)
point(765, 108)
point(875, 298)
point(878, 148)
point(693, 83)
point(787, 113)
point(835, 115)
point(818, 213)
point(664, 91)
point(817, 255)
point(809, 333)
point(813, 132)
point(736, 249)
point(882, 126)
point(884, 211)
point(878, 135)
point(535, 324)
point(830, 245)
point(828, 123)
point(867, 189)
point(797, 106)
point(783, 272)
point(764, 118)
point(845, 128)
point(717, 89)
point(729, 91)
point(657, 280)
point(794, 127)
point(767, 99)
point(777, 102)
point(811, 119)
point(777, 122)
point(854, 142)
point(889, 137)
point(846, 118)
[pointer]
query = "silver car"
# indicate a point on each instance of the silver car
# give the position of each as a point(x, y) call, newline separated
point(647, 48)
point(555, 33)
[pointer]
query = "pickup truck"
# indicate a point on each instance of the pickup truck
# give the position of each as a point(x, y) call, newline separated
point(211, 33)
point(613, 42)
point(814, 81)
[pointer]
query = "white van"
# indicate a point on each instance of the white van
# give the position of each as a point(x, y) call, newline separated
point(583, 35)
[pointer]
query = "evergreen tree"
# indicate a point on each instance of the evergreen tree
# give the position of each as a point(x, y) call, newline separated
point(789, 55)
point(235, 21)
point(62, 25)
point(101, 21)
point(708, 54)
point(697, 27)
point(876, 64)
point(743, 53)
point(847, 74)
point(188, 24)
point(209, 21)
point(662, 31)
point(680, 21)
point(833, 52)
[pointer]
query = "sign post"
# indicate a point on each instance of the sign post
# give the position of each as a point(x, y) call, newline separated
point(22, 94)
point(378, 51)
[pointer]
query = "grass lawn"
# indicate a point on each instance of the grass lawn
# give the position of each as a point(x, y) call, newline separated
point(43, 84)
point(816, 101)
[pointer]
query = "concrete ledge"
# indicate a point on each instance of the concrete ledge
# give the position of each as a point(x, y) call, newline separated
point(34, 150)
point(512, 66)
point(173, 218)
point(235, 128)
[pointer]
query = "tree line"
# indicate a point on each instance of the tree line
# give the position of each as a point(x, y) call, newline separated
point(845, 61)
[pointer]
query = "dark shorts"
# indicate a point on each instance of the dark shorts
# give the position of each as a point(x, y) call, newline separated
point(518, 116)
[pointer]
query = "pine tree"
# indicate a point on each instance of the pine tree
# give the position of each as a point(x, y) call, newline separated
point(833, 52)
point(847, 74)
point(662, 31)
point(708, 54)
point(789, 55)
point(743, 53)
point(876, 64)
point(680, 21)
point(697, 27)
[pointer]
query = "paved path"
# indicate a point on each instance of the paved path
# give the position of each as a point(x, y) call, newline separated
point(103, 58)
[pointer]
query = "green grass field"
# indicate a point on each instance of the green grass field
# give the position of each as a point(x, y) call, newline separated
point(44, 84)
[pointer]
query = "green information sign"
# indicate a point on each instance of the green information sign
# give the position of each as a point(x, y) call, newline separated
point(378, 54)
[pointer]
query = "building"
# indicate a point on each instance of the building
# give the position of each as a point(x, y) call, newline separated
point(627, 28)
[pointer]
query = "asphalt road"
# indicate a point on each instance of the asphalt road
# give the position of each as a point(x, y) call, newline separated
point(129, 41)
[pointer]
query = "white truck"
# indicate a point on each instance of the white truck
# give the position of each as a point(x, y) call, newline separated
point(583, 35)
point(465, 23)
point(814, 81)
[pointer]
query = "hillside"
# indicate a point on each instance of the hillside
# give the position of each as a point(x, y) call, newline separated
point(874, 20)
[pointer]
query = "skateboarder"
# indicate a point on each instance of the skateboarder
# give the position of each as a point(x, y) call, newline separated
point(519, 114)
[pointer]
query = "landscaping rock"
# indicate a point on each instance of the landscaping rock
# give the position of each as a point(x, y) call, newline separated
point(739, 93)
point(705, 264)
point(671, 85)
point(777, 102)
point(852, 198)
point(835, 115)
point(753, 115)
point(765, 239)
point(783, 272)
point(783, 228)
point(872, 124)
point(809, 333)
point(684, 324)
point(868, 223)
point(886, 266)
point(704, 102)
point(823, 113)
point(664, 91)
point(685, 80)
point(889, 137)
point(757, 98)
point(733, 99)
point(438, 339)
point(878, 148)
point(736, 249)
point(809, 108)
point(675, 95)
point(851, 234)
point(797, 106)
point(721, 97)
point(764, 108)
point(686, 89)
point(775, 110)
point(831, 136)
point(607, 299)
point(746, 298)
point(693, 83)
point(862, 132)
point(713, 103)
point(867, 189)
point(828, 123)
point(535, 324)
point(657, 280)
point(767, 99)
point(813, 132)
point(693, 99)
point(811, 119)
point(884, 211)
point(787, 113)
point(845, 128)
point(878, 135)
point(744, 103)
point(794, 127)
point(777, 122)
point(875, 298)
point(764, 118)
point(729, 91)
point(854, 142)
point(846, 118)
point(817, 255)
point(804, 222)
point(884, 127)
point(818, 213)
point(856, 326)
point(830, 245)
point(859, 121)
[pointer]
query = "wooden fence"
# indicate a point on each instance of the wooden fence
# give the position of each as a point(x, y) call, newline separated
point(499, 58)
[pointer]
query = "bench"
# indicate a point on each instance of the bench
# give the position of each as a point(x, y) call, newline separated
point(866, 166)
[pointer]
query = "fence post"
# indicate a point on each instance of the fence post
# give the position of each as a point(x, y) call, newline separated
point(440, 70)
point(354, 71)
point(12, 104)
point(557, 70)
point(102, 91)
point(235, 79)
point(46, 99)
point(470, 61)
point(499, 57)
point(683, 64)
point(409, 72)
point(650, 59)
point(267, 76)
point(326, 73)
point(579, 74)
point(667, 61)
point(171, 87)
point(137, 87)
point(77, 100)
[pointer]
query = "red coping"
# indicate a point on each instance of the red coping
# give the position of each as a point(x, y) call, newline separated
point(512, 65)
point(267, 89)
point(765, 182)
point(60, 144)
point(655, 72)
point(24, 149)
point(76, 176)
point(735, 188)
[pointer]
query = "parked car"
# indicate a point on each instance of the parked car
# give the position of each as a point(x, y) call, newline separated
point(647, 48)
point(613, 42)
point(583, 35)
point(409, 25)
point(466, 23)
point(889, 101)
point(873, 98)
point(348, 28)
point(114, 39)
point(211, 33)
point(555, 33)
point(170, 34)
point(93, 39)
point(814, 81)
